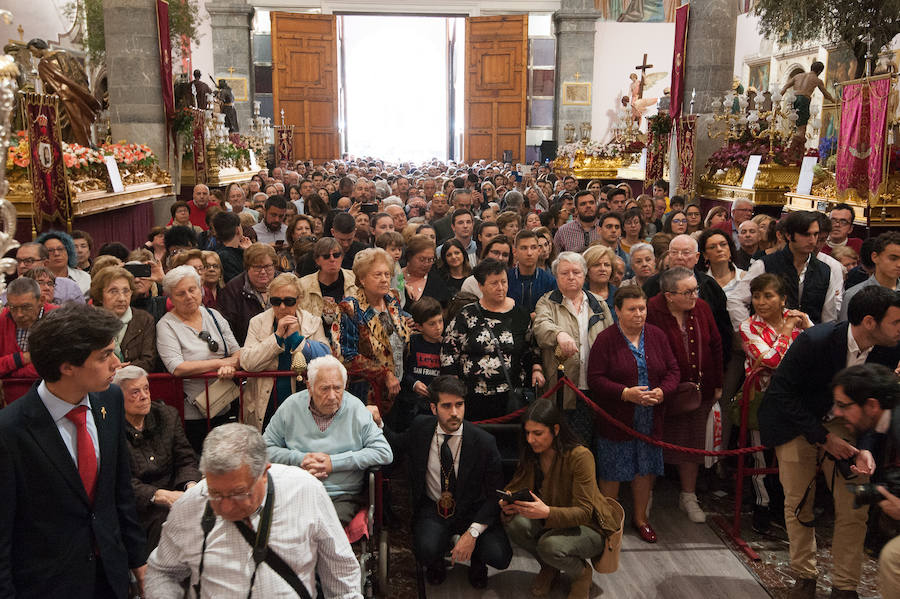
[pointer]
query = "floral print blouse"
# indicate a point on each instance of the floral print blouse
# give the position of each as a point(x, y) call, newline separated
point(470, 351)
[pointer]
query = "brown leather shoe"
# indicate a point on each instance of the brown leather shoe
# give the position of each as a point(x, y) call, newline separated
point(581, 585)
point(844, 594)
point(804, 588)
point(542, 583)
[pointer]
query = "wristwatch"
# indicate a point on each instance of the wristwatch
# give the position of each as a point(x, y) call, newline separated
point(474, 532)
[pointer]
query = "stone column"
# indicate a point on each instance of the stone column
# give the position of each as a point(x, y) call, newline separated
point(136, 110)
point(575, 32)
point(709, 66)
point(230, 21)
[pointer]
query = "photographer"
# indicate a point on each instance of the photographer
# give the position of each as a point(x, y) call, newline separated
point(792, 420)
point(864, 396)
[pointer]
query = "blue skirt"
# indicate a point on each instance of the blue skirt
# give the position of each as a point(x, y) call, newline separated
point(624, 460)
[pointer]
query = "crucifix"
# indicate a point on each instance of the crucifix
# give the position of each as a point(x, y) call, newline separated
point(230, 71)
point(643, 69)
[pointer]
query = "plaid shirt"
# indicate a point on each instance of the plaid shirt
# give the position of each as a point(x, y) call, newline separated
point(22, 334)
point(570, 237)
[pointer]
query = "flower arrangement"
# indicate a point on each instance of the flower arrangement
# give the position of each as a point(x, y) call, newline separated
point(736, 154)
point(612, 149)
point(828, 145)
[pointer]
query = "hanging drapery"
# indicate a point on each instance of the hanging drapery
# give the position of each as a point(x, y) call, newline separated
point(284, 143)
point(46, 168)
point(199, 143)
point(678, 60)
point(860, 156)
point(686, 136)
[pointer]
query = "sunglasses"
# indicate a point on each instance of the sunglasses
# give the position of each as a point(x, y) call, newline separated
point(335, 255)
point(287, 301)
point(211, 343)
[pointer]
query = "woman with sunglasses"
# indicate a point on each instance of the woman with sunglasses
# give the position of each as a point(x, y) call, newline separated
point(192, 339)
point(324, 289)
point(272, 340)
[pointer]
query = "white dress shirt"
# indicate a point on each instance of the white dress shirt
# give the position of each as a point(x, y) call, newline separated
point(58, 409)
point(855, 356)
point(433, 465)
point(583, 318)
point(305, 533)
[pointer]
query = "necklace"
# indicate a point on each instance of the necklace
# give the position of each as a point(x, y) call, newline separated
point(446, 504)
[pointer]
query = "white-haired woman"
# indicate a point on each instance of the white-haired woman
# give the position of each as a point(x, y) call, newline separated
point(566, 322)
point(373, 331)
point(273, 338)
point(193, 339)
point(163, 465)
point(643, 264)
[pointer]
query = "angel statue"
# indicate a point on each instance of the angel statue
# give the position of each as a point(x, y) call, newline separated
point(62, 75)
point(640, 104)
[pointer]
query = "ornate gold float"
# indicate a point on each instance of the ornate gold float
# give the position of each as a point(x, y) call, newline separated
point(773, 181)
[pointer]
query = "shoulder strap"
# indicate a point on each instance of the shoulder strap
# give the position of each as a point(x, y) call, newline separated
point(218, 328)
point(262, 553)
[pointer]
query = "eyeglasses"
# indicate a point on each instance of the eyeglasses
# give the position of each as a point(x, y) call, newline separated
point(335, 255)
point(27, 261)
point(841, 222)
point(211, 343)
point(263, 268)
point(687, 292)
point(47, 283)
point(287, 301)
point(59, 250)
point(235, 497)
point(212, 267)
point(679, 221)
point(682, 252)
point(428, 260)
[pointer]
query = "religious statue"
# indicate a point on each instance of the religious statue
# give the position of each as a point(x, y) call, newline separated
point(226, 98)
point(62, 75)
point(804, 85)
point(201, 94)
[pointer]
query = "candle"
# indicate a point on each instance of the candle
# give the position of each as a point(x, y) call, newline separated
point(693, 93)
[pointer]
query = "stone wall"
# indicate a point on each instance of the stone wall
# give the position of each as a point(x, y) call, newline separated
point(575, 30)
point(230, 39)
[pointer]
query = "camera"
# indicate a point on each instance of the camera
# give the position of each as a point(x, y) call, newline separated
point(867, 494)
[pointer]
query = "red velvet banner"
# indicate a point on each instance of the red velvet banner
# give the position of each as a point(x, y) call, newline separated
point(685, 136)
point(46, 169)
point(165, 57)
point(657, 155)
point(678, 60)
point(199, 144)
point(284, 143)
point(860, 156)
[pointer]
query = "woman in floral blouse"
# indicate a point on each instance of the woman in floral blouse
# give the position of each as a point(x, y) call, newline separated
point(481, 335)
point(765, 338)
point(372, 331)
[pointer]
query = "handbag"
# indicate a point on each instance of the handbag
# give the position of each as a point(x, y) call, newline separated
point(756, 397)
point(217, 395)
point(687, 396)
point(517, 396)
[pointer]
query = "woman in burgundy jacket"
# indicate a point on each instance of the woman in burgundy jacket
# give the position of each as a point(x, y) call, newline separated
point(691, 329)
point(631, 371)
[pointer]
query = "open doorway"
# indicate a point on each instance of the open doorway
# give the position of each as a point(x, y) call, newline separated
point(401, 86)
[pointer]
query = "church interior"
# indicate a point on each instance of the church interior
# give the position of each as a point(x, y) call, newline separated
point(717, 98)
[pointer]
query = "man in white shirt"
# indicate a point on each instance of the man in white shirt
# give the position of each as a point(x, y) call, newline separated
point(238, 492)
point(272, 228)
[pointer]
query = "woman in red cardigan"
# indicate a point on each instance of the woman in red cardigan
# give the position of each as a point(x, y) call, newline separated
point(631, 370)
point(688, 323)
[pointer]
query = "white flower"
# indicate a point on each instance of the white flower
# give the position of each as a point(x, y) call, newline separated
point(506, 337)
point(490, 366)
point(483, 337)
point(472, 322)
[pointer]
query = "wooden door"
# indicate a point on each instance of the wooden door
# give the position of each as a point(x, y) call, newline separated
point(305, 82)
point(496, 70)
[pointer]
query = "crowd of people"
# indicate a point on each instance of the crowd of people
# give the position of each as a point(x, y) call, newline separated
point(417, 300)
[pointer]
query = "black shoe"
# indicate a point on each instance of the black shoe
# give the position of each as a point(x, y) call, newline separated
point(762, 518)
point(804, 588)
point(843, 594)
point(436, 573)
point(477, 574)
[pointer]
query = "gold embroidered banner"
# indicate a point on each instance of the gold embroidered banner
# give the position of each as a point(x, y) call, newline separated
point(284, 143)
point(861, 145)
point(52, 202)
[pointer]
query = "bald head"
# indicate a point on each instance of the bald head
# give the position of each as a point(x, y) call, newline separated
point(683, 251)
point(201, 195)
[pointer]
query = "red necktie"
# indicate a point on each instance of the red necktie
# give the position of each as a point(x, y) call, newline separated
point(87, 459)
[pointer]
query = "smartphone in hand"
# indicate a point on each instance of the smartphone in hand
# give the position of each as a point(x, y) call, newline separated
point(521, 495)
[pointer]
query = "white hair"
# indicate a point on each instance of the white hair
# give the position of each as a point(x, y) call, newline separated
point(684, 237)
point(230, 446)
point(391, 201)
point(178, 274)
point(740, 201)
point(128, 373)
point(572, 258)
point(640, 247)
point(324, 362)
point(259, 193)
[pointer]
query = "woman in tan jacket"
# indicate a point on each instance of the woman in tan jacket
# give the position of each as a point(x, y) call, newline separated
point(566, 322)
point(273, 338)
point(324, 289)
point(568, 519)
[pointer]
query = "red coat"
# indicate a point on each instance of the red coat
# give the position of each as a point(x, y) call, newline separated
point(10, 352)
point(612, 367)
point(689, 429)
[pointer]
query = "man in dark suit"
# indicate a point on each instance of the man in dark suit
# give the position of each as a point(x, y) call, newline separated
point(793, 420)
point(454, 472)
point(69, 524)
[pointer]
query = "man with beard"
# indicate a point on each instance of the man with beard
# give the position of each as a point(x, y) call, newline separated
point(272, 229)
point(578, 234)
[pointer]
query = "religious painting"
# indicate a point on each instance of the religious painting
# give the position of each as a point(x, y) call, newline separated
point(759, 76)
point(576, 93)
point(238, 87)
point(841, 67)
point(638, 11)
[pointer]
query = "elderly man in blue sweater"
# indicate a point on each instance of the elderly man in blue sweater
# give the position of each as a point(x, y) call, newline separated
point(329, 433)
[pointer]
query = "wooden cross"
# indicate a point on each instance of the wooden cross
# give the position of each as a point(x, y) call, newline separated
point(577, 75)
point(643, 69)
point(232, 69)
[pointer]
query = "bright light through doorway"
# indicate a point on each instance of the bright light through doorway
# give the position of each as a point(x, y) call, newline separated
point(396, 86)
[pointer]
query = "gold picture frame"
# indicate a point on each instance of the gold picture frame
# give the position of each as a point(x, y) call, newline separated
point(239, 87)
point(576, 93)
